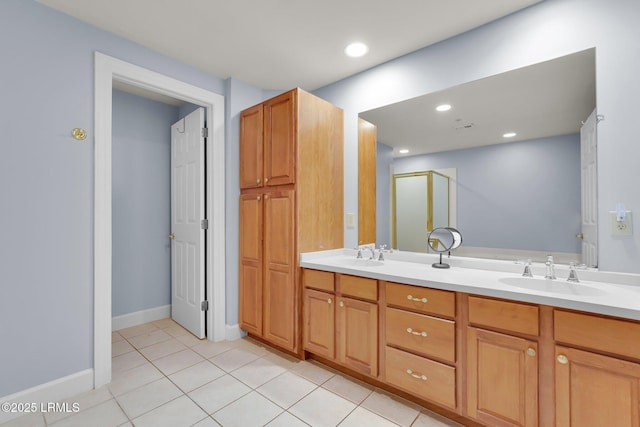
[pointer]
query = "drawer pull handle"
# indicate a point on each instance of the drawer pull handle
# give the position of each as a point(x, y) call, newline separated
point(416, 376)
point(562, 359)
point(421, 334)
point(412, 298)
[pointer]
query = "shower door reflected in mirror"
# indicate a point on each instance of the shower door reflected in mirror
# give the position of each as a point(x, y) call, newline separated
point(420, 202)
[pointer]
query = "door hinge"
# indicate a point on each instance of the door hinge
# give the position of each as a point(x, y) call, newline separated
point(204, 306)
point(205, 132)
point(204, 224)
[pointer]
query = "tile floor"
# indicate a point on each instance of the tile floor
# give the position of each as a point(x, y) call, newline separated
point(164, 376)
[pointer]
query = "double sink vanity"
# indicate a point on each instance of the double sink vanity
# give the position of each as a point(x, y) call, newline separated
point(479, 342)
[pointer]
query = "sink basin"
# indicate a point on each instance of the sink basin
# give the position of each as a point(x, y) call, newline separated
point(356, 262)
point(553, 286)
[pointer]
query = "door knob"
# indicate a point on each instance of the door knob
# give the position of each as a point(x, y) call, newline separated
point(580, 236)
point(172, 236)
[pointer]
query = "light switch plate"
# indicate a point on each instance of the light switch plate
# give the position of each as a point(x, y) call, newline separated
point(351, 221)
point(621, 228)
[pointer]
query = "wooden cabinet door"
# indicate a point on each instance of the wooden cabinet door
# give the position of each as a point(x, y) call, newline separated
point(250, 275)
point(251, 148)
point(357, 335)
point(319, 323)
point(596, 391)
point(280, 138)
point(502, 379)
point(280, 308)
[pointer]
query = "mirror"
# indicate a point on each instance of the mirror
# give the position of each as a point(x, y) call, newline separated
point(516, 197)
point(443, 239)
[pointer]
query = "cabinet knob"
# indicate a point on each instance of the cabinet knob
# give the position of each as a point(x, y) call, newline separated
point(562, 359)
point(412, 298)
point(258, 181)
point(417, 376)
point(258, 198)
point(341, 304)
point(266, 180)
point(531, 351)
point(266, 196)
point(328, 300)
point(421, 334)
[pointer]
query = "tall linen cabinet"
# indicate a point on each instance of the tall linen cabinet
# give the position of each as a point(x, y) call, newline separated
point(291, 201)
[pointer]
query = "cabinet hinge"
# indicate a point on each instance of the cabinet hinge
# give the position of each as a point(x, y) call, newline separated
point(204, 224)
point(204, 305)
point(205, 132)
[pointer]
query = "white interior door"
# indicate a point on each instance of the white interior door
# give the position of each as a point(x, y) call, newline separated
point(589, 188)
point(187, 212)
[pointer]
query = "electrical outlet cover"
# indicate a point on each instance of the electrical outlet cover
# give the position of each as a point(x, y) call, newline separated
point(621, 228)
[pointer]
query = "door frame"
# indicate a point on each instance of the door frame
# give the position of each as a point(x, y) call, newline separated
point(107, 69)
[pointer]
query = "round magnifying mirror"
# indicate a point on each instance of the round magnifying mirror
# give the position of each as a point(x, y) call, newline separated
point(443, 239)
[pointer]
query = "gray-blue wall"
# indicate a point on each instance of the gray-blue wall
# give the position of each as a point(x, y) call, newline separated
point(519, 195)
point(141, 204)
point(384, 161)
point(541, 32)
point(46, 186)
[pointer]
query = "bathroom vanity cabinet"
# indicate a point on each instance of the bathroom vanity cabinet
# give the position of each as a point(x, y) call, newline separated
point(492, 361)
point(291, 200)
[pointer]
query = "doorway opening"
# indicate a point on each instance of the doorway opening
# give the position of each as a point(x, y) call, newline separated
point(108, 70)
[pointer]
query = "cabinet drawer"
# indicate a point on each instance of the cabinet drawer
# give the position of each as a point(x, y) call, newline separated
point(599, 333)
point(423, 377)
point(359, 287)
point(318, 280)
point(421, 299)
point(427, 335)
point(504, 315)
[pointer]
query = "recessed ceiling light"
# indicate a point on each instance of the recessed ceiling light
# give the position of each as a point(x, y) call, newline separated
point(509, 135)
point(356, 50)
point(443, 107)
point(403, 151)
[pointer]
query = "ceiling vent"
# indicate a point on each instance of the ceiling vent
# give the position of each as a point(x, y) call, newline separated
point(464, 126)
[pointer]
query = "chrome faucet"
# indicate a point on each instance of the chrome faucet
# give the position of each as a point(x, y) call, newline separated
point(372, 250)
point(551, 270)
point(527, 269)
point(573, 274)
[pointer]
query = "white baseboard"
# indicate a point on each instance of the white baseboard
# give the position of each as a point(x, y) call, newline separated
point(234, 332)
point(53, 391)
point(140, 317)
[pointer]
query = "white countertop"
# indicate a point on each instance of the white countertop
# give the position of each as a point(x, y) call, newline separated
point(614, 294)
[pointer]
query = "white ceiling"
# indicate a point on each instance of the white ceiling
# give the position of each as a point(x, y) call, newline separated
point(280, 44)
point(545, 99)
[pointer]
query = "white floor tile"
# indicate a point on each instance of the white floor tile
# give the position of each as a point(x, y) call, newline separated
point(177, 361)
point(165, 323)
point(287, 389)
point(176, 331)
point(208, 349)
point(196, 376)
point(126, 361)
point(123, 382)
point(322, 408)
point(107, 414)
point(251, 410)
point(287, 420)
point(313, 372)
point(233, 359)
point(352, 390)
point(145, 340)
point(430, 419)
point(258, 372)
point(34, 419)
point(115, 337)
point(161, 349)
point(189, 340)
point(363, 417)
point(393, 408)
point(133, 331)
point(121, 347)
point(179, 412)
point(148, 397)
point(219, 393)
point(207, 422)
point(84, 401)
